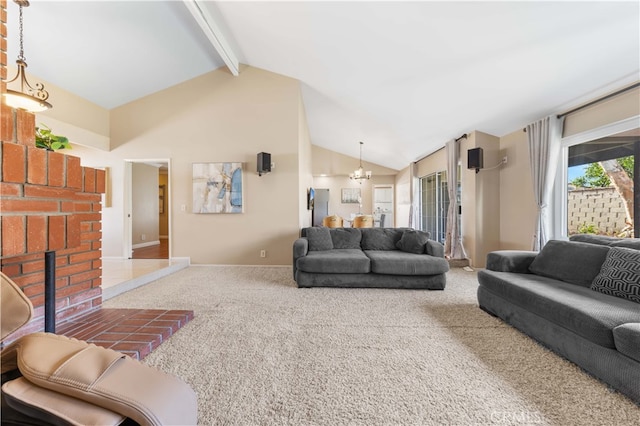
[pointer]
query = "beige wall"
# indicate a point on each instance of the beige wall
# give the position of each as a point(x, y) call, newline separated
point(480, 198)
point(78, 119)
point(498, 207)
point(617, 108)
point(331, 163)
point(145, 217)
point(517, 207)
point(217, 118)
point(436, 162)
point(305, 165)
point(402, 197)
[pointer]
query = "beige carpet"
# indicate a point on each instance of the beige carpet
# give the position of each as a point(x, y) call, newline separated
point(262, 352)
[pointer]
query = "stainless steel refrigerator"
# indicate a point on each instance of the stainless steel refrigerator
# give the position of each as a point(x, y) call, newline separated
point(320, 206)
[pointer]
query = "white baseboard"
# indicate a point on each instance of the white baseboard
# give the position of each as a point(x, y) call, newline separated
point(147, 244)
point(247, 266)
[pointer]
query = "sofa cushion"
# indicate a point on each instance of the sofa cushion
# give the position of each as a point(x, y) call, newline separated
point(620, 274)
point(570, 261)
point(413, 241)
point(585, 312)
point(633, 243)
point(346, 238)
point(339, 261)
point(400, 263)
point(627, 339)
point(434, 248)
point(510, 260)
point(593, 239)
point(319, 238)
point(381, 238)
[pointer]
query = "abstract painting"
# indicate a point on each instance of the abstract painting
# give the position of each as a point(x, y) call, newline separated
point(351, 196)
point(217, 188)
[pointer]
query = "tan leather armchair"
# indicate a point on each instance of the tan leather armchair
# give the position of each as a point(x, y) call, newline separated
point(50, 379)
point(334, 221)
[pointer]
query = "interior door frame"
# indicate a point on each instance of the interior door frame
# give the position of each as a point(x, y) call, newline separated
point(393, 198)
point(127, 240)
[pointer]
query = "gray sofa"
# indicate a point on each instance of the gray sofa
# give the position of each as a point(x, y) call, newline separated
point(368, 257)
point(579, 298)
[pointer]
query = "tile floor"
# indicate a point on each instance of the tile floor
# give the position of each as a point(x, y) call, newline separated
point(120, 275)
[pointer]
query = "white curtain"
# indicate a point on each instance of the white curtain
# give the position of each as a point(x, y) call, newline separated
point(414, 196)
point(453, 247)
point(544, 151)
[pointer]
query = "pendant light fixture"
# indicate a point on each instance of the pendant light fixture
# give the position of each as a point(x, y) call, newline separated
point(359, 174)
point(32, 99)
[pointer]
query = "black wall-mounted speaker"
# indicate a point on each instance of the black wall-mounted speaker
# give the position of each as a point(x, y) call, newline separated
point(264, 163)
point(474, 159)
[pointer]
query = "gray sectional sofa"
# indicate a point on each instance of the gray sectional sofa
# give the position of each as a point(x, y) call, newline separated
point(579, 298)
point(368, 257)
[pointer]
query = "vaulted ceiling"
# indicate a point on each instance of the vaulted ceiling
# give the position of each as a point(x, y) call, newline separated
point(404, 77)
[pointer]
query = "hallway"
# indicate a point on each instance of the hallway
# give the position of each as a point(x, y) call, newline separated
point(158, 251)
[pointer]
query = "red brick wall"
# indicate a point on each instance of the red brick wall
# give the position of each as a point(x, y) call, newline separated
point(48, 201)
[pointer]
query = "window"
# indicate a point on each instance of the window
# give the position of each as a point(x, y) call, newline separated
point(434, 204)
point(596, 186)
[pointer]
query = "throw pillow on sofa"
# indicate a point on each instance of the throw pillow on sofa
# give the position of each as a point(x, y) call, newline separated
point(319, 239)
point(413, 241)
point(380, 238)
point(346, 238)
point(570, 261)
point(620, 274)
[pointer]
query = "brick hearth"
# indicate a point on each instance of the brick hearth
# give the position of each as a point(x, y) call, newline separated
point(134, 332)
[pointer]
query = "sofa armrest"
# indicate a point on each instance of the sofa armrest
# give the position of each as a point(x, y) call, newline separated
point(300, 249)
point(434, 248)
point(627, 339)
point(510, 260)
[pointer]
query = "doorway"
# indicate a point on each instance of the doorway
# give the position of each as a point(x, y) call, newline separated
point(383, 206)
point(147, 230)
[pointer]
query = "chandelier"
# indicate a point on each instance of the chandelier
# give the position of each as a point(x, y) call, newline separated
point(360, 174)
point(32, 99)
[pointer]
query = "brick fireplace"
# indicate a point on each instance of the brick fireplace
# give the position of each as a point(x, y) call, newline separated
point(48, 202)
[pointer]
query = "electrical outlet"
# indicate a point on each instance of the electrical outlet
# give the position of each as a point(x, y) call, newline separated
point(143, 237)
point(263, 253)
point(504, 160)
point(183, 207)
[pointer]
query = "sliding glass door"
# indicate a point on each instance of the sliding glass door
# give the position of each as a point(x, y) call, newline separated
point(434, 205)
